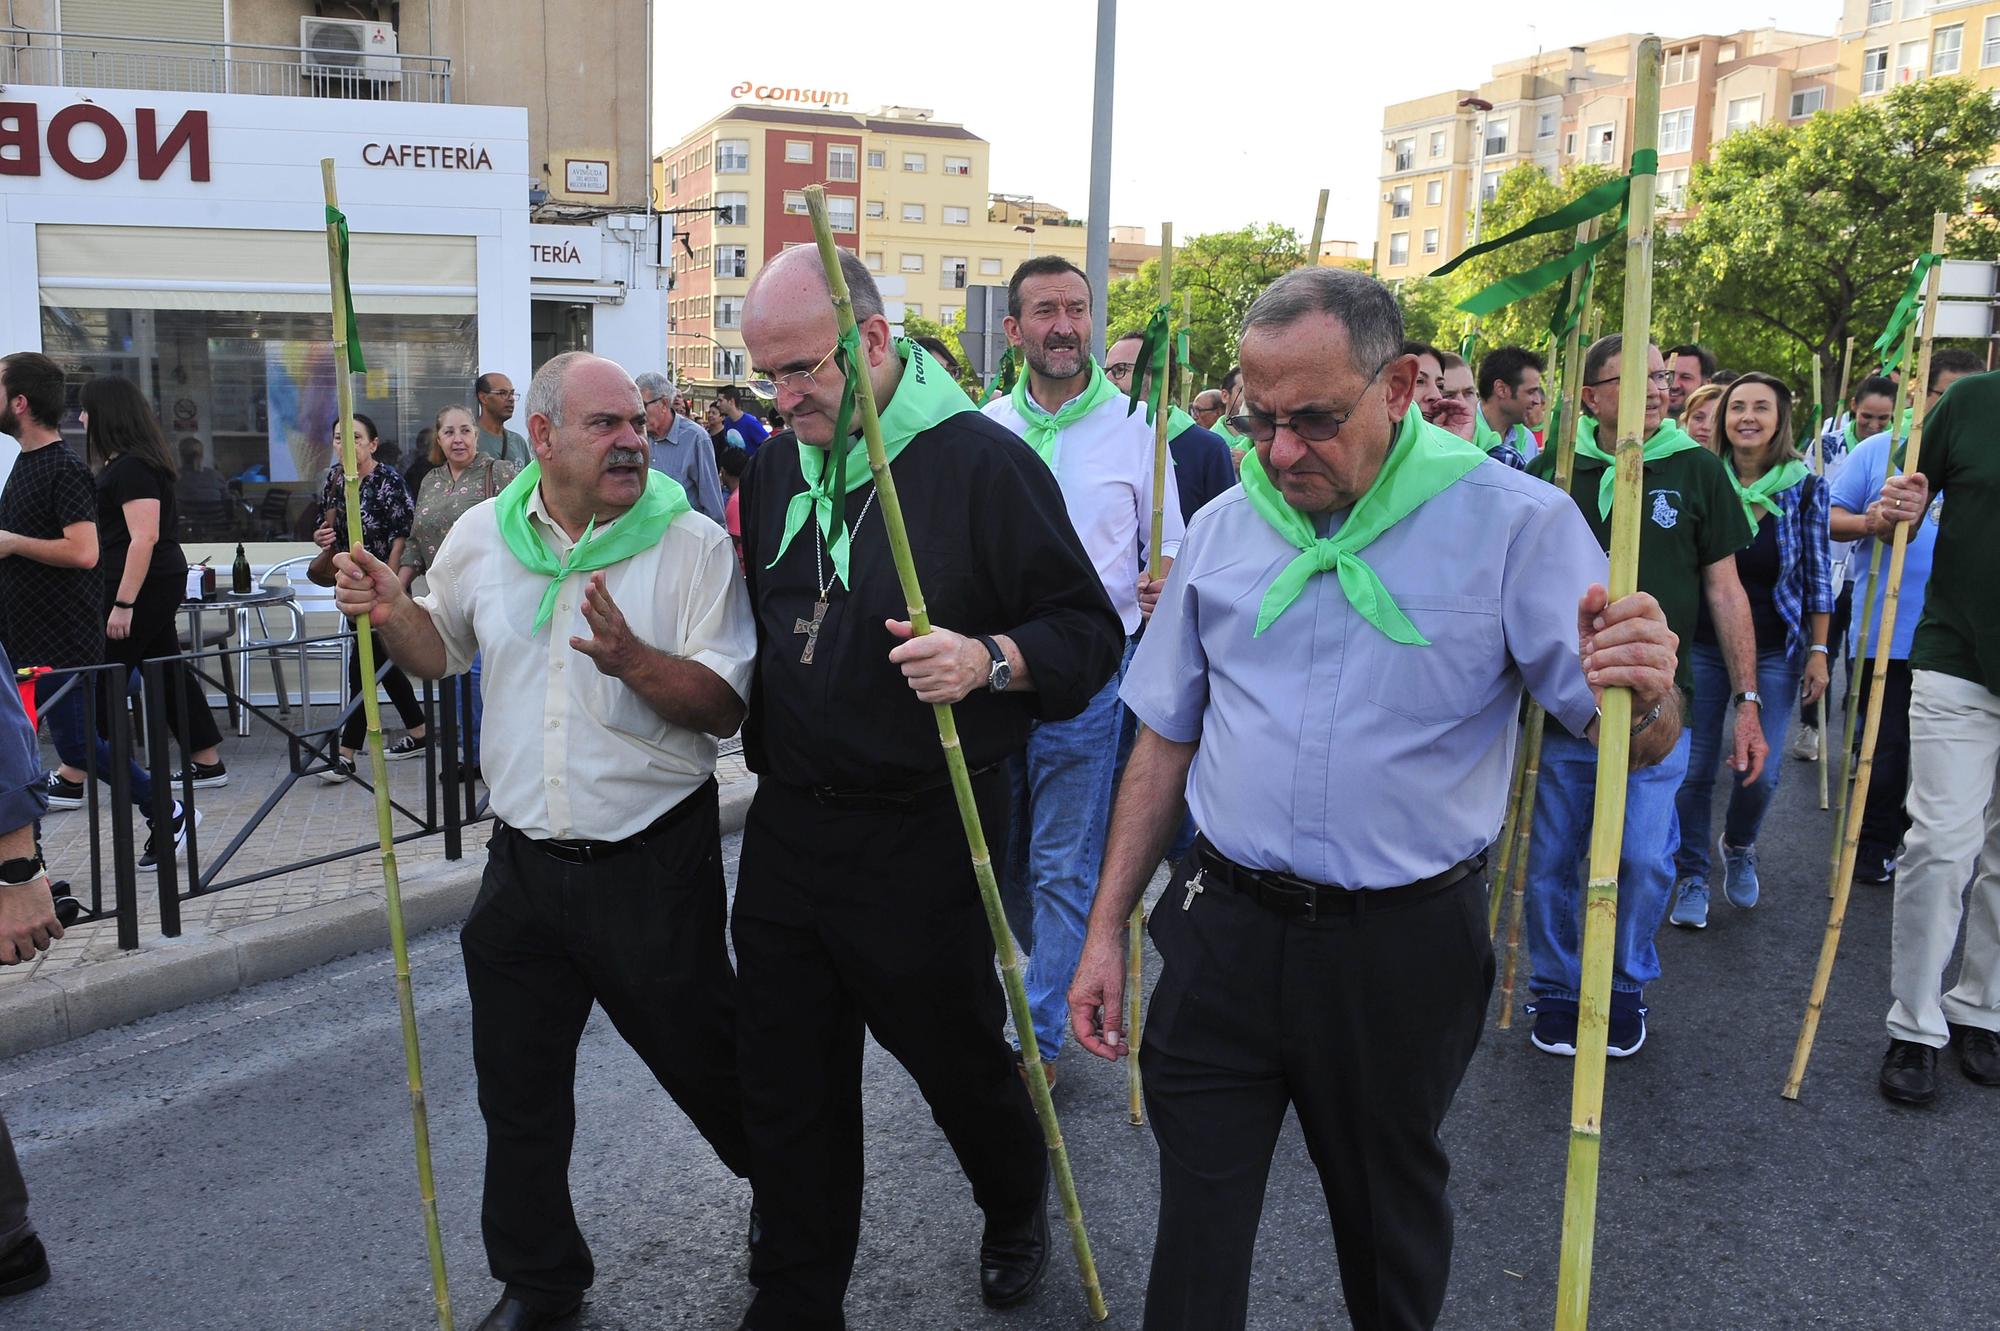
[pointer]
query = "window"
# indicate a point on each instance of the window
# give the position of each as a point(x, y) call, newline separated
point(1880, 11)
point(1437, 143)
point(1399, 248)
point(876, 212)
point(958, 166)
point(1600, 143)
point(732, 210)
point(798, 150)
point(954, 270)
point(1672, 189)
point(840, 162)
point(732, 261)
point(1950, 43)
point(989, 268)
point(913, 309)
point(874, 260)
point(795, 202)
point(1430, 240)
point(913, 212)
point(1677, 130)
point(913, 263)
point(1545, 125)
point(1399, 201)
point(1569, 145)
point(729, 311)
point(1914, 8)
point(875, 159)
point(1874, 69)
point(913, 161)
point(1806, 101)
point(1489, 185)
point(732, 157)
point(1989, 43)
point(1911, 57)
point(840, 212)
point(1497, 133)
point(1726, 54)
point(1406, 153)
point(1743, 113)
point(728, 364)
point(947, 314)
point(957, 216)
point(1434, 192)
point(1683, 66)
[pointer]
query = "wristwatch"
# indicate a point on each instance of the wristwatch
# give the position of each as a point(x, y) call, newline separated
point(1747, 696)
point(1002, 674)
point(13, 873)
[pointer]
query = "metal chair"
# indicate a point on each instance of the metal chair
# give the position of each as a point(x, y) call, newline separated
point(307, 599)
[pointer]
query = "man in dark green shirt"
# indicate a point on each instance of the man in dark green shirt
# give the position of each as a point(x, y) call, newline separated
point(1690, 528)
point(1954, 835)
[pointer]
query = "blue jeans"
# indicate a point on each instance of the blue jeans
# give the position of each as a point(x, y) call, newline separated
point(1778, 685)
point(1061, 812)
point(69, 730)
point(478, 710)
point(1556, 865)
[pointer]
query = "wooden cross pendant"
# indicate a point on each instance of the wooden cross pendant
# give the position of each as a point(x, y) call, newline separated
point(811, 629)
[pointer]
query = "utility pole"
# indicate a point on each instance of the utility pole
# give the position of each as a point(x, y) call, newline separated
point(1097, 240)
point(1484, 107)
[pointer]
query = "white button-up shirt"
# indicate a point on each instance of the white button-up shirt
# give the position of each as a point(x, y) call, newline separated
point(568, 751)
point(1104, 464)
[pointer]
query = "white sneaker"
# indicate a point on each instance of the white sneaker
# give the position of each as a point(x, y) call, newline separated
point(1805, 744)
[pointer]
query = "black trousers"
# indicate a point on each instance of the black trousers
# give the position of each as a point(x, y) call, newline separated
point(640, 933)
point(846, 918)
point(401, 692)
point(1883, 821)
point(1364, 1025)
point(154, 633)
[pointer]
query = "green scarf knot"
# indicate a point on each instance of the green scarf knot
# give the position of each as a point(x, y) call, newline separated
point(1423, 462)
point(1043, 429)
point(1668, 440)
point(1758, 493)
point(638, 528)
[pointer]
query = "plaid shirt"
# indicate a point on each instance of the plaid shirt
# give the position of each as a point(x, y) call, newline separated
point(1510, 455)
point(1805, 584)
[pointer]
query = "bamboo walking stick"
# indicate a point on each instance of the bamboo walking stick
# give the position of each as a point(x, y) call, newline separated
point(1825, 741)
point(336, 257)
point(1319, 229)
point(1819, 469)
point(1614, 735)
point(1187, 365)
point(1864, 769)
point(1531, 741)
point(1497, 889)
point(954, 758)
point(1135, 927)
point(1864, 642)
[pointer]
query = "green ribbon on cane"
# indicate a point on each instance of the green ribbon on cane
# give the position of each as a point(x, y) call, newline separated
point(1003, 378)
point(1155, 343)
point(1891, 341)
point(338, 221)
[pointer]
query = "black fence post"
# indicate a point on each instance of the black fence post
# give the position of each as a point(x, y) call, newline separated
point(124, 866)
point(166, 865)
point(447, 746)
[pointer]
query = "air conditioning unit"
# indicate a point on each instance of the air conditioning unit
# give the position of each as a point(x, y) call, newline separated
point(345, 48)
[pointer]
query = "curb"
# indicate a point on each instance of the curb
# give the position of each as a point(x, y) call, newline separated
point(168, 973)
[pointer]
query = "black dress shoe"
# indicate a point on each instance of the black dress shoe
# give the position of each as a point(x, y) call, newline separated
point(514, 1313)
point(1909, 1073)
point(1012, 1257)
point(756, 1234)
point(1978, 1053)
point(23, 1267)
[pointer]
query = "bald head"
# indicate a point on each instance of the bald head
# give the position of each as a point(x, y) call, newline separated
point(797, 273)
point(790, 329)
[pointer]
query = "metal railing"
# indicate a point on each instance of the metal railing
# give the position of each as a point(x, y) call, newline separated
point(99, 60)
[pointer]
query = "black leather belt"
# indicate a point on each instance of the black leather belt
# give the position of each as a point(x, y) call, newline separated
point(578, 851)
point(1295, 898)
point(884, 800)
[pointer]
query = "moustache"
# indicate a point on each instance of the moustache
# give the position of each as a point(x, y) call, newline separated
point(625, 457)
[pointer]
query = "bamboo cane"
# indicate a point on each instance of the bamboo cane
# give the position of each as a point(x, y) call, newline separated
point(1497, 889)
point(1614, 736)
point(1825, 741)
point(954, 757)
point(1531, 740)
point(1864, 642)
point(1187, 366)
point(1819, 469)
point(1319, 229)
point(379, 773)
point(1857, 799)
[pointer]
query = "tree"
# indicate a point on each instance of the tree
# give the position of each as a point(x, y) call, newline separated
point(1426, 306)
point(1804, 235)
point(1224, 271)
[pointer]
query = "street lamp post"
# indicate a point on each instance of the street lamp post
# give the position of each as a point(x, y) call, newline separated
point(1484, 107)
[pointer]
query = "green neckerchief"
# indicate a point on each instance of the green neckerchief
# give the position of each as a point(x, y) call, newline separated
point(637, 528)
point(1043, 430)
point(925, 396)
point(1758, 493)
point(1238, 443)
point(1178, 422)
point(1847, 432)
point(1484, 437)
point(1668, 440)
point(1423, 462)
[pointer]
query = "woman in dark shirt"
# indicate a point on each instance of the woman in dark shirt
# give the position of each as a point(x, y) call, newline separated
point(143, 570)
point(1787, 575)
point(386, 514)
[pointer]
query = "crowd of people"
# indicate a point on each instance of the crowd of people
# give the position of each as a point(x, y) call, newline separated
point(1361, 568)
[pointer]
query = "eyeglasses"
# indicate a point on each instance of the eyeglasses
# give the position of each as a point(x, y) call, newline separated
point(500, 392)
point(1315, 427)
point(1121, 370)
point(1658, 379)
point(798, 382)
point(651, 400)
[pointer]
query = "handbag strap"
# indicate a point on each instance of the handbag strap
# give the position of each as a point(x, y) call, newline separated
point(487, 484)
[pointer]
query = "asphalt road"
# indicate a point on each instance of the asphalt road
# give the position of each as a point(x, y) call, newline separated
point(247, 1164)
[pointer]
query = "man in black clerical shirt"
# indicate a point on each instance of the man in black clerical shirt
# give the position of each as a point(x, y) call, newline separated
point(855, 899)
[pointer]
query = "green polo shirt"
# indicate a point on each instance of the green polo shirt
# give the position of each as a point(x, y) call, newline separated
point(1692, 518)
point(1959, 633)
point(507, 446)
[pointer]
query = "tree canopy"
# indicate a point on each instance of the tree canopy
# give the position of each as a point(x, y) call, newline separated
point(1224, 271)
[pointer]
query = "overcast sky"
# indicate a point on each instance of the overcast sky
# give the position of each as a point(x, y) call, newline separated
point(1227, 112)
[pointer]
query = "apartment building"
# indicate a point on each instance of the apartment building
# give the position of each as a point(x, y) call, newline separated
point(1885, 43)
point(906, 192)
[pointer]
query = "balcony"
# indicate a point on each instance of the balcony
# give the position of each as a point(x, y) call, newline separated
point(83, 60)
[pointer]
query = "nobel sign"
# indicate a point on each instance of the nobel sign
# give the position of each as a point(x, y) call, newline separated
point(88, 142)
point(771, 92)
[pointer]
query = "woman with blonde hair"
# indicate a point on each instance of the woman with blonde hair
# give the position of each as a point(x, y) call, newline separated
point(1698, 416)
point(1787, 574)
